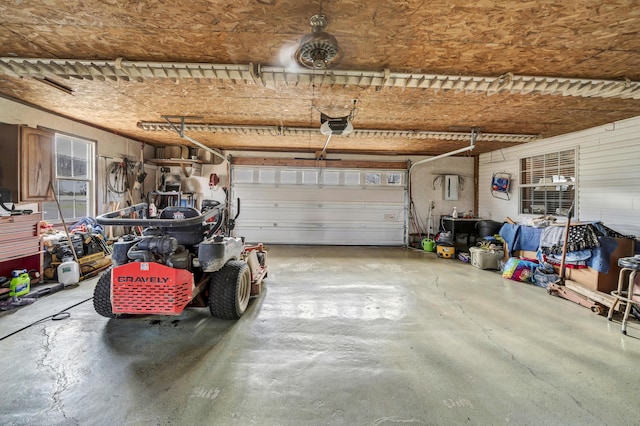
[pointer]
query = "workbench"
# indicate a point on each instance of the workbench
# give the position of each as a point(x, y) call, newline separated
point(459, 226)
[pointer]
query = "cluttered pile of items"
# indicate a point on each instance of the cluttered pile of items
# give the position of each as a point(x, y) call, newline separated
point(578, 261)
point(76, 254)
point(79, 254)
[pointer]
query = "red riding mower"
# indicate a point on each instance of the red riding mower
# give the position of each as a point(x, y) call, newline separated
point(182, 258)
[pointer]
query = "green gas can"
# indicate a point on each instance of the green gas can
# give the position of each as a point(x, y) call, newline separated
point(20, 283)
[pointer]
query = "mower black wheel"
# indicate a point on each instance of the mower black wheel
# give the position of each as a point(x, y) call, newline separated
point(230, 290)
point(102, 295)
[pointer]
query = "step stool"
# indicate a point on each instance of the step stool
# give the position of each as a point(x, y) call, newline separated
point(630, 265)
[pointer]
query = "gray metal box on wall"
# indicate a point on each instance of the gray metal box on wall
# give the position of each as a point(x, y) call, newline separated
point(450, 187)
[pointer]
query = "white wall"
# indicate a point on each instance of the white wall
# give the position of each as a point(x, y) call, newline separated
point(111, 147)
point(607, 172)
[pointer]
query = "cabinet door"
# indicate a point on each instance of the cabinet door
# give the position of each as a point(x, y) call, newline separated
point(36, 164)
point(9, 164)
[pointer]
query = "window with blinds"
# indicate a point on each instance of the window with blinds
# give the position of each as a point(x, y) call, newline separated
point(74, 179)
point(547, 183)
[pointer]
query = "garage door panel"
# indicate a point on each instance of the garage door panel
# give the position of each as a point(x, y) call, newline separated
point(296, 206)
point(300, 234)
point(321, 194)
point(325, 213)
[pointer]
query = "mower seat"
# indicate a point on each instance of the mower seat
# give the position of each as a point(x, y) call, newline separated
point(186, 235)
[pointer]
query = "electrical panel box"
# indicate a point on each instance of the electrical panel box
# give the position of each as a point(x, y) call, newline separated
point(450, 187)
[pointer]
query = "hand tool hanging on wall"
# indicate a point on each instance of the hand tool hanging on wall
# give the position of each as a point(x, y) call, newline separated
point(141, 175)
point(117, 177)
point(128, 165)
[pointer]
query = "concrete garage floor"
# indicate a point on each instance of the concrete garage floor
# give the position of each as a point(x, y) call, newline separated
point(341, 336)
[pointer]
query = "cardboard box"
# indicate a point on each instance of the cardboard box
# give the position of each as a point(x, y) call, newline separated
point(597, 281)
point(524, 254)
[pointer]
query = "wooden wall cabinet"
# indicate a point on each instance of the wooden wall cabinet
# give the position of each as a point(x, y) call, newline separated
point(26, 162)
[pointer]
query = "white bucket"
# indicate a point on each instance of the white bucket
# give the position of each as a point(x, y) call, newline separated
point(68, 273)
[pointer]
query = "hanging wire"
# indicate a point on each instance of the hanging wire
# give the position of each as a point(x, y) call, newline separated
point(438, 181)
point(118, 177)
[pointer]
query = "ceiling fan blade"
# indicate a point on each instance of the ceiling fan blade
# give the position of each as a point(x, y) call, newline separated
point(286, 56)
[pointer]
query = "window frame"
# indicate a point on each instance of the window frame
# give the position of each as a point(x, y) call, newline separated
point(50, 209)
point(548, 180)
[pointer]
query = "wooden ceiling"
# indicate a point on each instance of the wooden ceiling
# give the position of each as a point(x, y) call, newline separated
point(580, 39)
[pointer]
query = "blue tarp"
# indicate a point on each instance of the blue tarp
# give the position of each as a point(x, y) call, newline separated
point(520, 237)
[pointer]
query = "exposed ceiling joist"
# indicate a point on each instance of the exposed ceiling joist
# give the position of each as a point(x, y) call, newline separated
point(122, 70)
point(356, 133)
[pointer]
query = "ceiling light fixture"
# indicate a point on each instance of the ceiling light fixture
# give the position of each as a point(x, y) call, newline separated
point(318, 50)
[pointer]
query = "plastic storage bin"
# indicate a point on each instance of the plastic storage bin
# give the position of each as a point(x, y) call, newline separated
point(486, 259)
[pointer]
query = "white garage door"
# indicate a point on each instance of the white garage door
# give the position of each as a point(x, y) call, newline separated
point(287, 205)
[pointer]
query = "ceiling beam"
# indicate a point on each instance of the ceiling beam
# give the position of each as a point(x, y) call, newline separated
point(356, 133)
point(302, 162)
point(121, 69)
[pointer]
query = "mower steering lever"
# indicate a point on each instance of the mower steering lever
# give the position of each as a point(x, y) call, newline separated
point(118, 218)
